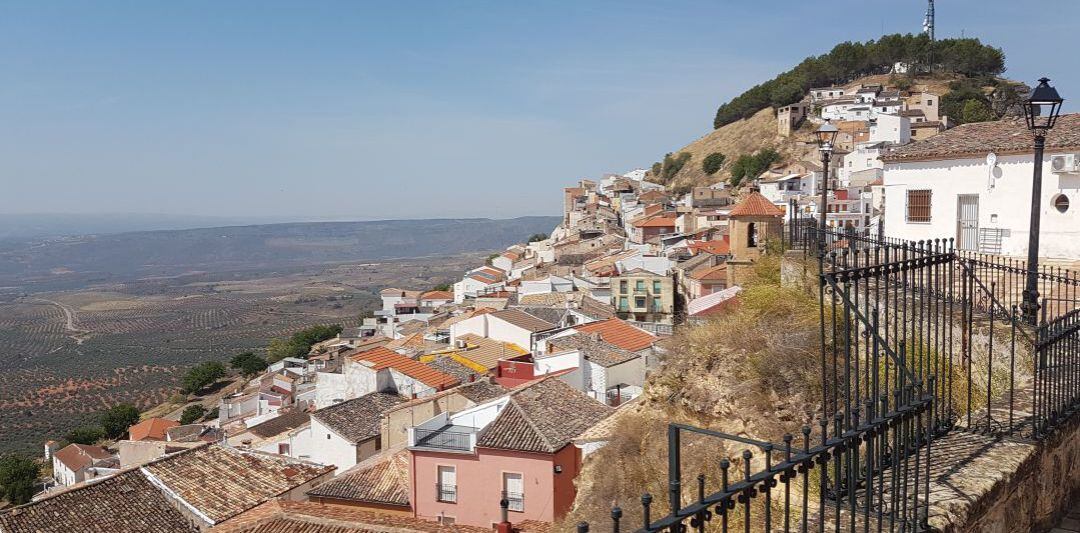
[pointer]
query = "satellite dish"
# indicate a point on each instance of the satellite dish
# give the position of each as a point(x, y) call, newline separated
point(991, 159)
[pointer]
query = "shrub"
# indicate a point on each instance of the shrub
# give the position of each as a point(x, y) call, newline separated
point(212, 414)
point(248, 363)
point(536, 237)
point(118, 418)
point(202, 375)
point(713, 163)
point(299, 344)
point(750, 166)
point(85, 435)
point(192, 413)
point(18, 475)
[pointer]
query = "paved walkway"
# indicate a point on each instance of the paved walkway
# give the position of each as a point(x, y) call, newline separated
point(1071, 522)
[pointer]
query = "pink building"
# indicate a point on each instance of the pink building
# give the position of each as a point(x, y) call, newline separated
point(518, 447)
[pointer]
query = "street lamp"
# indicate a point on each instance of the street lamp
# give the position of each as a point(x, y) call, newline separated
point(1041, 110)
point(826, 136)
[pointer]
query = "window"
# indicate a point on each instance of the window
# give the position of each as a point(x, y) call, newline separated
point(1061, 203)
point(656, 286)
point(918, 206)
point(751, 235)
point(639, 302)
point(514, 491)
point(623, 305)
point(656, 304)
point(283, 448)
point(639, 285)
point(622, 286)
point(446, 488)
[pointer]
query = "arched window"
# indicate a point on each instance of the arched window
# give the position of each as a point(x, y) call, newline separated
point(1061, 203)
point(751, 235)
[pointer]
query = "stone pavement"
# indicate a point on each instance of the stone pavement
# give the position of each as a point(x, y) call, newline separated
point(1071, 522)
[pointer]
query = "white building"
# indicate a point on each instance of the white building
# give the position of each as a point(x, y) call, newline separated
point(973, 183)
point(345, 433)
point(379, 370)
point(509, 325)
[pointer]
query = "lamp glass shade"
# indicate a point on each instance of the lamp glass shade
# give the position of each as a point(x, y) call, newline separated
point(1042, 107)
point(826, 133)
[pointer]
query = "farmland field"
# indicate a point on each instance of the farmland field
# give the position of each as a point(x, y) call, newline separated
point(69, 354)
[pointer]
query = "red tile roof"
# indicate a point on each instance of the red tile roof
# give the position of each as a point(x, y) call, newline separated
point(79, 456)
point(437, 295)
point(717, 247)
point(620, 333)
point(756, 205)
point(151, 429)
point(713, 273)
point(382, 357)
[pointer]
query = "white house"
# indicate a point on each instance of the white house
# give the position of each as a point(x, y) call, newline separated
point(890, 128)
point(76, 463)
point(607, 373)
point(973, 183)
point(345, 433)
point(509, 325)
point(379, 370)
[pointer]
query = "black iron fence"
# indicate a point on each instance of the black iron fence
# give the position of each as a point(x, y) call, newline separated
point(917, 340)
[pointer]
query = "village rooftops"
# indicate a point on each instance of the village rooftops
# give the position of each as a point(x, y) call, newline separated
point(437, 295)
point(121, 503)
point(79, 456)
point(358, 419)
point(286, 421)
point(220, 482)
point(662, 221)
point(976, 139)
point(382, 479)
point(484, 353)
point(524, 320)
point(543, 417)
point(151, 429)
point(594, 349)
point(285, 516)
point(713, 273)
point(381, 358)
point(620, 333)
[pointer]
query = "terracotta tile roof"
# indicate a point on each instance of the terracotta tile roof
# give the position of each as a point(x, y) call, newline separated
point(487, 352)
point(1009, 136)
point(222, 482)
point(357, 419)
point(551, 314)
point(381, 358)
point(381, 479)
point(657, 222)
point(479, 391)
point(287, 421)
point(717, 247)
point(542, 417)
point(284, 516)
point(151, 428)
point(437, 295)
point(595, 309)
point(756, 205)
point(594, 349)
point(620, 333)
point(79, 456)
point(126, 502)
point(523, 320)
point(713, 273)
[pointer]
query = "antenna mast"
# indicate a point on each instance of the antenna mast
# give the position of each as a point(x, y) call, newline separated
point(928, 22)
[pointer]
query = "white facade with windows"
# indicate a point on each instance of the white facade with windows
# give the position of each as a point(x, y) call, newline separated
point(984, 205)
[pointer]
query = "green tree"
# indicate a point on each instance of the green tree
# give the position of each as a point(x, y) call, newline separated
point(299, 344)
point(443, 287)
point(202, 375)
point(751, 166)
point(976, 110)
point(18, 475)
point(248, 363)
point(85, 435)
point(192, 413)
point(713, 163)
point(536, 237)
point(117, 419)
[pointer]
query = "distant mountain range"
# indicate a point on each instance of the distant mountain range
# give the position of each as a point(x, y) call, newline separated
point(72, 262)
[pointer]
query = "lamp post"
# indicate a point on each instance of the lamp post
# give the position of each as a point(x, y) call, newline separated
point(1041, 111)
point(826, 136)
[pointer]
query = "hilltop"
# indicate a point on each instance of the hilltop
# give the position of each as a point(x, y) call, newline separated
point(965, 76)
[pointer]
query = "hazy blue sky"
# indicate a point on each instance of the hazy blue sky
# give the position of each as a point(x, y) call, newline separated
point(409, 109)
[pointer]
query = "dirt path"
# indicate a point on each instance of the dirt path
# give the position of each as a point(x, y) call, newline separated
point(78, 334)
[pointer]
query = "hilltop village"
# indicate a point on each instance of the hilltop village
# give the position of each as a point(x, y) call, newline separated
point(476, 405)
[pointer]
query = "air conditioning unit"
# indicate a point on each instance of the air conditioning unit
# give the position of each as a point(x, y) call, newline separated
point(1064, 164)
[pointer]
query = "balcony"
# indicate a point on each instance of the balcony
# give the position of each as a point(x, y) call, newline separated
point(450, 437)
point(446, 493)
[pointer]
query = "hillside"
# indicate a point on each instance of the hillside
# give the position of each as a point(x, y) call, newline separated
point(747, 136)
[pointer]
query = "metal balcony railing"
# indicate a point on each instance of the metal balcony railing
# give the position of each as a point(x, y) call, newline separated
point(442, 438)
point(446, 493)
point(516, 501)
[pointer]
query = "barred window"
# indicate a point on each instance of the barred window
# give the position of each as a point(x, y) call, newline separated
point(918, 206)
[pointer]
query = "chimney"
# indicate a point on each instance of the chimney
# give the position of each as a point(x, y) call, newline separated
point(504, 525)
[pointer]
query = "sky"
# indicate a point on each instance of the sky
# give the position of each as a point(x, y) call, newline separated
point(407, 109)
